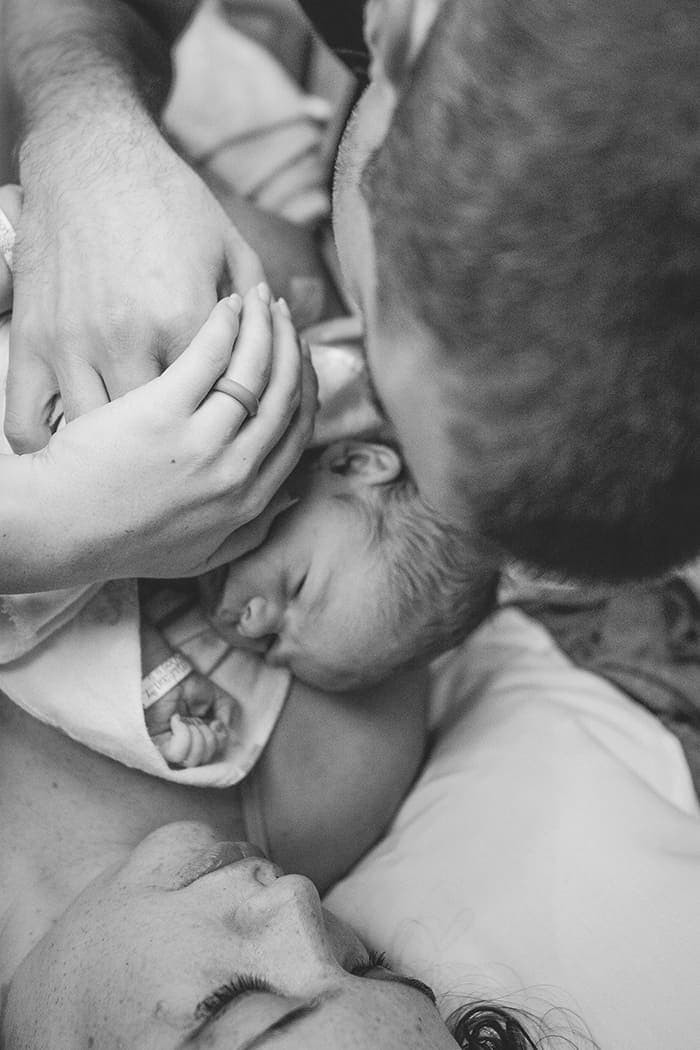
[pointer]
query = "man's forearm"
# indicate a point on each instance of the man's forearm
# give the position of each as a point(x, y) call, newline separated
point(69, 58)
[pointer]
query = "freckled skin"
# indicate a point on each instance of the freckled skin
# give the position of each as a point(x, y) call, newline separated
point(138, 951)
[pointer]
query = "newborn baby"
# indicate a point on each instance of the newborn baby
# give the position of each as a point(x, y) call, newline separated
point(356, 579)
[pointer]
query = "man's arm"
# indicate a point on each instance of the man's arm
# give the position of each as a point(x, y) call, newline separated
point(88, 53)
point(121, 249)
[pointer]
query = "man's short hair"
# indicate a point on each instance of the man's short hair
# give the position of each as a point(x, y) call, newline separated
point(536, 206)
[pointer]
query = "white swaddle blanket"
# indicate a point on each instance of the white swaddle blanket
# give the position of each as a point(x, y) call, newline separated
point(72, 658)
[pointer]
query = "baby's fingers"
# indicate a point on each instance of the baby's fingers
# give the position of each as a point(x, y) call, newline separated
point(198, 695)
point(191, 742)
point(175, 745)
point(204, 742)
point(226, 709)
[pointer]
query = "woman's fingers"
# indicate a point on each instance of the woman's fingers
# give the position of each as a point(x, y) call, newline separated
point(285, 452)
point(283, 395)
point(250, 364)
point(244, 266)
point(189, 379)
point(247, 537)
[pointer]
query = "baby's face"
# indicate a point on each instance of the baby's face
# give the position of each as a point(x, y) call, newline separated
point(310, 596)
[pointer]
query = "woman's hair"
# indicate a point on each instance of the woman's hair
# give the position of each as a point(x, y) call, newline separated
point(535, 208)
point(488, 1026)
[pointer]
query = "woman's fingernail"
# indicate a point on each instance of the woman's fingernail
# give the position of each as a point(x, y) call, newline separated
point(264, 293)
point(234, 302)
point(284, 308)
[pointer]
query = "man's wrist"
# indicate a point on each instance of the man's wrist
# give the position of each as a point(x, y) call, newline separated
point(75, 61)
point(69, 132)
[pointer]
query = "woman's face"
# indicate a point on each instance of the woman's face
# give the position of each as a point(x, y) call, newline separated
point(197, 943)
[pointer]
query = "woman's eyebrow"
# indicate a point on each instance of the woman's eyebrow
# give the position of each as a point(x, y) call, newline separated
point(305, 1009)
point(299, 1012)
point(283, 1023)
point(296, 1013)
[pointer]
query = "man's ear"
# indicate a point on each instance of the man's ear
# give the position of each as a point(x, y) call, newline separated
point(395, 31)
point(365, 462)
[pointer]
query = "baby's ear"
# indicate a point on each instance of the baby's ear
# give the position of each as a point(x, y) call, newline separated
point(395, 31)
point(366, 462)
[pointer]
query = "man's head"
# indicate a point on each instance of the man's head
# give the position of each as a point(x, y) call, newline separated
point(524, 240)
point(358, 578)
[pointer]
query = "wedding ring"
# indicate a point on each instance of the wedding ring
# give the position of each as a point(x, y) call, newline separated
point(239, 393)
point(7, 239)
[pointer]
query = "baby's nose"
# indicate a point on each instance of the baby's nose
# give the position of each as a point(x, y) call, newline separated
point(260, 616)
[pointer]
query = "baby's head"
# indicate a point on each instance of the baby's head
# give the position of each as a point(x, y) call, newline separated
point(357, 578)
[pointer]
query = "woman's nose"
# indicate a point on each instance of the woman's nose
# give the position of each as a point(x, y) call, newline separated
point(261, 616)
point(304, 944)
point(290, 907)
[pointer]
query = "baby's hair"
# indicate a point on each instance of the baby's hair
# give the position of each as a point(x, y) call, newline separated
point(535, 208)
point(441, 584)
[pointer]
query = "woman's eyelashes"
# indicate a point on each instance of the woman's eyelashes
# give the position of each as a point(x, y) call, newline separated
point(245, 984)
point(374, 961)
point(378, 961)
point(240, 985)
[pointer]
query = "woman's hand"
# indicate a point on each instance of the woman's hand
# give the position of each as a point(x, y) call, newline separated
point(117, 265)
point(158, 482)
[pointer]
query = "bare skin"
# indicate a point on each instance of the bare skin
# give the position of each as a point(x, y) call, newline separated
point(328, 787)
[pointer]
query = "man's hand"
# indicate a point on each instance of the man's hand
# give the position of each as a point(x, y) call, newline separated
point(118, 262)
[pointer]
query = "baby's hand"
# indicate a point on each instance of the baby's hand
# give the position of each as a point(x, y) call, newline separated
point(190, 723)
point(191, 741)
